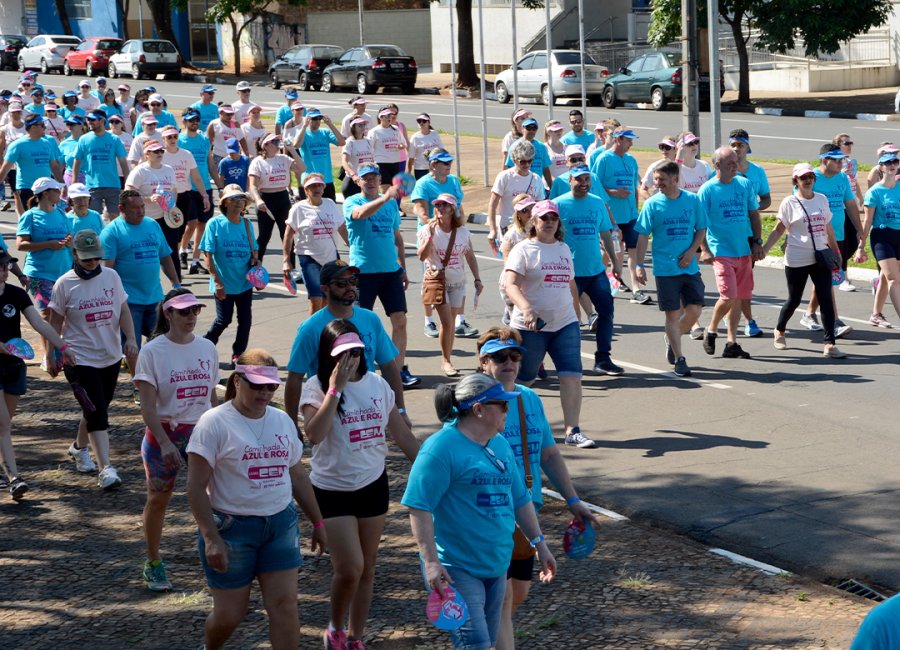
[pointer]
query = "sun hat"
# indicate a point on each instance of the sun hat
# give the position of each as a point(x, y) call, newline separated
point(232, 191)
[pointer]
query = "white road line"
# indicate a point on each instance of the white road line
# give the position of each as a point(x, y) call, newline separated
point(746, 561)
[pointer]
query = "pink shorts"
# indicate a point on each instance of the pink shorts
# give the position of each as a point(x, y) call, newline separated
point(734, 277)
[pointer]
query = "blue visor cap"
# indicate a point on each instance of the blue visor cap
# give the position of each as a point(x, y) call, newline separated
point(492, 394)
point(581, 170)
point(834, 153)
point(367, 169)
point(190, 115)
point(495, 345)
point(529, 122)
point(443, 156)
point(314, 113)
point(888, 157)
point(626, 133)
point(291, 94)
point(96, 115)
point(34, 120)
point(208, 89)
point(72, 120)
point(70, 93)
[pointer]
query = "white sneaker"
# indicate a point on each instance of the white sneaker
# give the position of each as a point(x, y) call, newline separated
point(811, 322)
point(109, 478)
point(846, 286)
point(82, 458)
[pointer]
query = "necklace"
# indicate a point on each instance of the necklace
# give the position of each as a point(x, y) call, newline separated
point(262, 429)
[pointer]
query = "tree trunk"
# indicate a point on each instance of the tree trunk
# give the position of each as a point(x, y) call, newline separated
point(236, 44)
point(162, 20)
point(465, 67)
point(124, 6)
point(740, 44)
point(63, 16)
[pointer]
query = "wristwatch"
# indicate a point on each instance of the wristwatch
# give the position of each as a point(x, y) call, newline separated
point(758, 241)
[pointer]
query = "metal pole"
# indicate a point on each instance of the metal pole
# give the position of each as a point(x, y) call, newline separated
point(690, 88)
point(141, 17)
point(715, 113)
point(453, 92)
point(583, 66)
point(549, 35)
point(484, 136)
point(515, 58)
point(362, 40)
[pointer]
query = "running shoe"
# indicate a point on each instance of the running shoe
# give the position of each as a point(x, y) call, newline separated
point(431, 330)
point(878, 320)
point(578, 439)
point(4, 483)
point(466, 331)
point(17, 488)
point(734, 351)
point(752, 329)
point(640, 297)
point(197, 267)
point(355, 644)
point(846, 286)
point(832, 352)
point(155, 576)
point(136, 396)
point(624, 288)
point(811, 322)
point(109, 478)
point(696, 333)
point(335, 640)
point(408, 379)
point(670, 355)
point(607, 367)
point(592, 322)
point(681, 368)
point(709, 342)
point(82, 458)
point(841, 329)
point(780, 342)
point(184, 261)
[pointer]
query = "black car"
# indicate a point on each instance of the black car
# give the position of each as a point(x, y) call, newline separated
point(369, 67)
point(10, 44)
point(303, 65)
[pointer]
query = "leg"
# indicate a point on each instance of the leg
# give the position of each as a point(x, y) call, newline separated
point(597, 289)
point(881, 293)
point(734, 318)
point(279, 592)
point(229, 609)
point(244, 303)
point(445, 336)
point(813, 305)
point(674, 320)
point(370, 529)
point(516, 593)
point(796, 283)
point(347, 560)
point(7, 455)
point(822, 280)
point(891, 270)
point(264, 224)
point(224, 314)
point(722, 308)
point(570, 398)
point(154, 519)
point(398, 335)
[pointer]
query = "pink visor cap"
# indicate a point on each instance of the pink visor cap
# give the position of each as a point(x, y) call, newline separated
point(259, 374)
point(346, 342)
point(182, 301)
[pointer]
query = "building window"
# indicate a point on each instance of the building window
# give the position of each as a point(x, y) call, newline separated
point(79, 9)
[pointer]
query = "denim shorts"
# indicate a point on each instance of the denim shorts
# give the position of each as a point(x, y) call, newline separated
point(161, 477)
point(256, 545)
point(484, 598)
point(310, 269)
point(563, 346)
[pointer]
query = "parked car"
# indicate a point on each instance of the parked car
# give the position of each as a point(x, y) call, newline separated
point(303, 65)
point(654, 78)
point(146, 58)
point(10, 44)
point(565, 69)
point(46, 52)
point(369, 67)
point(92, 55)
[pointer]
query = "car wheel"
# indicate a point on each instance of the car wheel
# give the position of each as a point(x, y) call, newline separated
point(45, 69)
point(135, 72)
point(327, 84)
point(545, 95)
point(66, 69)
point(658, 99)
point(362, 85)
point(89, 69)
point(274, 77)
point(303, 82)
point(609, 97)
point(21, 64)
point(501, 92)
point(111, 71)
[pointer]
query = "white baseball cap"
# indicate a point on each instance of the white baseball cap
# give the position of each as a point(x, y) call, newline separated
point(77, 190)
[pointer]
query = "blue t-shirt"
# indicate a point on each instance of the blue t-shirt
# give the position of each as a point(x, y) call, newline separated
point(99, 159)
point(316, 153)
point(561, 185)
point(379, 348)
point(727, 207)
point(208, 113)
point(672, 223)
point(540, 161)
point(111, 109)
point(35, 109)
point(283, 115)
point(586, 139)
point(164, 119)
point(230, 250)
point(235, 171)
point(372, 246)
point(880, 629)
point(137, 251)
point(40, 226)
point(583, 220)
point(199, 148)
point(91, 221)
point(757, 175)
point(67, 149)
point(610, 171)
point(540, 436)
point(472, 497)
point(427, 189)
point(838, 191)
point(65, 112)
point(33, 159)
point(887, 206)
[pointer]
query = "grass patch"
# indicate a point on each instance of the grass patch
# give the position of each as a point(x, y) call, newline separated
point(465, 180)
point(802, 597)
point(637, 580)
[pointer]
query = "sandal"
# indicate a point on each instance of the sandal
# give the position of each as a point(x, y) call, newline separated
point(450, 371)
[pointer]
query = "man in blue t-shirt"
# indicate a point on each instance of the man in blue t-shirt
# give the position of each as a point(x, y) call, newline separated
point(314, 145)
point(98, 155)
point(285, 111)
point(376, 248)
point(880, 629)
point(206, 107)
point(575, 157)
point(36, 156)
point(577, 135)
point(585, 220)
point(732, 210)
point(339, 283)
point(675, 220)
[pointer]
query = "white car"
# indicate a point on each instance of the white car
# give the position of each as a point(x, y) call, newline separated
point(146, 58)
point(566, 70)
point(46, 53)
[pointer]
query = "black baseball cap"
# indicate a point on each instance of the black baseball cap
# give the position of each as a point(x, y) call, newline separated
point(331, 270)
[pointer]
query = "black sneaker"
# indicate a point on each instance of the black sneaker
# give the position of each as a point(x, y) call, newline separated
point(607, 367)
point(409, 380)
point(197, 267)
point(734, 351)
point(709, 342)
point(670, 355)
point(681, 368)
point(17, 488)
point(183, 257)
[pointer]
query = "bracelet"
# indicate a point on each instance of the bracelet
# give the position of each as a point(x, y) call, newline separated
point(63, 347)
point(402, 410)
point(477, 279)
point(572, 501)
point(319, 524)
point(336, 393)
point(176, 286)
point(536, 540)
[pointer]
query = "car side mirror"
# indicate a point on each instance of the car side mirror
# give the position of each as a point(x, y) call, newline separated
point(623, 70)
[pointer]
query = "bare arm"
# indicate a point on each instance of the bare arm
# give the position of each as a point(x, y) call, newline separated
point(168, 267)
point(423, 530)
point(301, 488)
point(199, 473)
point(292, 388)
point(399, 430)
point(492, 224)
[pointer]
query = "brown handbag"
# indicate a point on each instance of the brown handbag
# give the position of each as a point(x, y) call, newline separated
point(434, 283)
point(522, 549)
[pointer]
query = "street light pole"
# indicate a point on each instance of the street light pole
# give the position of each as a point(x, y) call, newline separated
point(362, 40)
point(690, 88)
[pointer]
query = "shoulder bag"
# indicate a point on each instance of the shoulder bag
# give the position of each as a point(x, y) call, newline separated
point(825, 258)
point(434, 284)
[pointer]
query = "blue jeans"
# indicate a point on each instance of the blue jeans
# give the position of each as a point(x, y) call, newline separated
point(597, 289)
point(484, 597)
point(310, 269)
point(563, 346)
point(224, 313)
point(144, 317)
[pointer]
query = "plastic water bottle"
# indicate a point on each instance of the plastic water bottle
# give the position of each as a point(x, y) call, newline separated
point(617, 244)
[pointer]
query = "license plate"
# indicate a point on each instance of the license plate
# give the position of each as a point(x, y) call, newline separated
point(160, 57)
point(396, 66)
point(593, 75)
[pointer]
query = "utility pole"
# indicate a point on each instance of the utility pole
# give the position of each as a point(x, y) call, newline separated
point(690, 88)
point(715, 108)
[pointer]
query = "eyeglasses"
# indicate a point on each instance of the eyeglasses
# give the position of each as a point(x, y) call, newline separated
point(576, 161)
point(343, 282)
point(269, 387)
point(531, 128)
point(441, 205)
point(491, 456)
point(665, 147)
point(891, 163)
point(506, 355)
point(155, 104)
point(525, 162)
point(549, 217)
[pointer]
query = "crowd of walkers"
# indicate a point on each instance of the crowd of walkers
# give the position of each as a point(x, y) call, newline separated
point(113, 191)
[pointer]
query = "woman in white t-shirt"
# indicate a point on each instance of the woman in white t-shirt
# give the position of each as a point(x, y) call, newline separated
point(117, 128)
point(348, 413)
point(359, 111)
point(692, 172)
point(56, 125)
point(434, 239)
point(388, 147)
point(254, 130)
point(244, 471)
point(176, 376)
point(518, 179)
point(420, 143)
point(667, 150)
point(269, 178)
point(150, 179)
point(357, 151)
point(555, 147)
point(515, 131)
point(806, 218)
point(310, 233)
point(220, 130)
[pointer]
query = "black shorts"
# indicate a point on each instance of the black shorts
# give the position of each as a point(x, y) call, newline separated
point(885, 243)
point(672, 291)
point(100, 386)
point(629, 234)
point(371, 500)
point(12, 378)
point(521, 569)
point(24, 194)
point(388, 171)
point(387, 287)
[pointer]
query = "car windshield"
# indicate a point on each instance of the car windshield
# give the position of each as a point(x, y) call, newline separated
point(67, 41)
point(378, 51)
point(326, 52)
point(573, 58)
point(159, 46)
point(109, 44)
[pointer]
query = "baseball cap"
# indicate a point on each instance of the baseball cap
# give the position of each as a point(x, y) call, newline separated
point(36, 91)
point(190, 115)
point(686, 139)
point(366, 169)
point(34, 120)
point(101, 80)
point(155, 97)
point(6, 258)
point(242, 85)
point(574, 150)
point(581, 170)
point(149, 119)
point(333, 269)
point(149, 89)
point(87, 245)
point(45, 183)
point(77, 190)
point(84, 83)
point(96, 115)
point(232, 145)
point(544, 207)
point(70, 93)
point(801, 169)
point(345, 342)
point(290, 94)
point(888, 157)
point(314, 113)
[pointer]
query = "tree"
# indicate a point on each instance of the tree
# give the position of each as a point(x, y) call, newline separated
point(63, 16)
point(161, 11)
point(781, 23)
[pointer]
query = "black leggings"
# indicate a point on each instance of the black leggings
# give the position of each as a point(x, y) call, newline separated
point(100, 386)
point(278, 204)
point(796, 281)
point(173, 239)
point(849, 243)
point(349, 187)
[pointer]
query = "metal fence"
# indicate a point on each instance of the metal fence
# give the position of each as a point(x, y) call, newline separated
point(616, 55)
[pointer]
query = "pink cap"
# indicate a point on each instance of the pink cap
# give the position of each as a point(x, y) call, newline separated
point(169, 130)
point(445, 198)
point(271, 137)
point(802, 169)
point(123, 87)
point(686, 139)
point(385, 111)
point(51, 107)
point(358, 101)
point(358, 120)
point(153, 145)
point(556, 126)
point(544, 207)
point(599, 126)
point(521, 113)
point(182, 301)
point(149, 119)
point(668, 142)
point(225, 108)
point(346, 342)
point(524, 203)
point(423, 116)
point(297, 106)
point(259, 374)
point(312, 179)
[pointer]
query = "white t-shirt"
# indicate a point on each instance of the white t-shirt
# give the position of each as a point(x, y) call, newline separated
point(692, 179)
point(126, 106)
point(250, 459)
point(509, 184)
point(352, 454)
point(349, 117)
point(136, 150)
point(316, 228)
point(419, 143)
point(13, 133)
point(91, 309)
point(181, 162)
point(455, 273)
point(87, 104)
point(221, 133)
point(183, 374)
point(251, 135)
point(647, 180)
point(358, 152)
point(547, 269)
point(799, 251)
point(558, 162)
point(56, 128)
point(146, 180)
point(241, 110)
point(387, 143)
point(508, 139)
point(127, 140)
point(274, 173)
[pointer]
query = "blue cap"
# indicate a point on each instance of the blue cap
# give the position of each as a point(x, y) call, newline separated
point(291, 94)
point(149, 89)
point(367, 168)
point(313, 113)
point(36, 91)
point(74, 119)
point(208, 89)
point(33, 120)
point(495, 345)
point(529, 122)
point(886, 158)
point(96, 115)
point(626, 133)
point(442, 156)
point(70, 93)
point(833, 153)
point(190, 115)
point(581, 170)
point(493, 393)
point(232, 145)
point(50, 94)
point(101, 80)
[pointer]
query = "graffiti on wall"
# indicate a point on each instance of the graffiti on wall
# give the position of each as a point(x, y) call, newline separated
point(280, 37)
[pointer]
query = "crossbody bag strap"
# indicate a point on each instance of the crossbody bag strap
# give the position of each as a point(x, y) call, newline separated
point(449, 250)
point(249, 238)
point(812, 237)
point(523, 431)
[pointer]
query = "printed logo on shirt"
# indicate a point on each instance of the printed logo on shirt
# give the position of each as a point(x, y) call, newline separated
point(263, 472)
point(361, 435)
point(190, 392)
point(95, 316)
point(9, 311)
point(488, 500)
point(264, 452)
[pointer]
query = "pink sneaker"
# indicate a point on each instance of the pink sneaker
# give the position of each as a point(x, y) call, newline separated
point(355, 644)
point(335, 640)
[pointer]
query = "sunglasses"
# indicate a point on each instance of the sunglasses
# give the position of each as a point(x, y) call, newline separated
point(549, 217)
point(491, 456)
point(442, 204)
point(891, 163)
point(245, 90)
point(269, 387)
point(171, 137)
point(92, 259)
point(423, 121)
point(506, 355)
point(665, 147)
point(525, 162)
point(807, 178)
point(156, 104)
point(531, 128)
point(158, 152)
point(343, 282)
point(576, 161)
point(847, 143)
point(193, 309)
